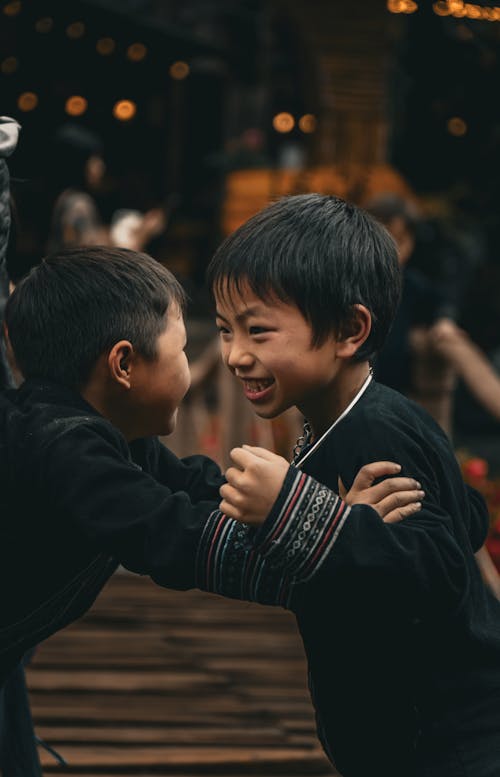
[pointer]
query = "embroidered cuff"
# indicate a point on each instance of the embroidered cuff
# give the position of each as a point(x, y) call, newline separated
point(227, 563)
point(303, 526)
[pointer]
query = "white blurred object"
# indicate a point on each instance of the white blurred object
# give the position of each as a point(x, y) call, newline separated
point(125, 228)
point(133, 229)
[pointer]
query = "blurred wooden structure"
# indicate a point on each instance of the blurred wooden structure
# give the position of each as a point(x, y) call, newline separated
point(161, 682)
point(248, 191)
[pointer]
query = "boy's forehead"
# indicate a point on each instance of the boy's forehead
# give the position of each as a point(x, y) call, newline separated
point(239, 298)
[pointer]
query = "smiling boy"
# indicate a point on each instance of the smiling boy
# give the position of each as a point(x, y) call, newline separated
point(98, 334)
point(402, 638)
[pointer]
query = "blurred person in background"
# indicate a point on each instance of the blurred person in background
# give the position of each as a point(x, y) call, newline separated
point(77, 168)
point(469, 363)
point(422, 302)
point(76, 175)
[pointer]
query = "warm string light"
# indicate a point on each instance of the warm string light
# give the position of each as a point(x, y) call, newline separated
point(13, 8)
point(124, 110)
point(105, 46)
point(283, 122)
point(136, 52)
point(179, 70)
point(457, 8)
point(76, 105)
point(307, 123)
point(461, 10)
point(75, 30)
point(9, 65)
point(27, 101)
point(402, 6)
point(457, 126)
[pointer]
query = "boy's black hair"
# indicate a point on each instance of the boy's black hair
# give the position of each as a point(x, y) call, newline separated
point(77, 303)
point(323, 255)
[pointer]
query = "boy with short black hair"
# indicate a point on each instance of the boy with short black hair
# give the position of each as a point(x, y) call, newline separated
point(98, 334)
point(402, 637)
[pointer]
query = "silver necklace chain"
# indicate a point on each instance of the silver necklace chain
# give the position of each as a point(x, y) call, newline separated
point(305, 438)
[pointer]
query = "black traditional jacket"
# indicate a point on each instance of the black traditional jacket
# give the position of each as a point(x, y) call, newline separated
point(78, 500)
point(402, 637)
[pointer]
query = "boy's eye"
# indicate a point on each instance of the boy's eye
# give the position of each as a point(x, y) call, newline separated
point(257, 330)
point(223, 330)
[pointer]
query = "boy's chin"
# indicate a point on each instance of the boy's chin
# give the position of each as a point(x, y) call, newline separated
point(268, 413)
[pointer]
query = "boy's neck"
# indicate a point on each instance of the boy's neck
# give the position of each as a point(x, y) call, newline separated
point(329, 404)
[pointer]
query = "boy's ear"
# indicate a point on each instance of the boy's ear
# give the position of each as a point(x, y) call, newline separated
point(120, 359)
point(356, 333)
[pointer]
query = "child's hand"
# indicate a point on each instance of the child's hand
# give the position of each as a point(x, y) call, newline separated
point(253, 484)
point(393, 498)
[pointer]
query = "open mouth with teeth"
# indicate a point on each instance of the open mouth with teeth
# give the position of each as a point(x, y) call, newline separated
point(257, 388)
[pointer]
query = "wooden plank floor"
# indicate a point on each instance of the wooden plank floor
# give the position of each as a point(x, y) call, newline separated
point(158, 682)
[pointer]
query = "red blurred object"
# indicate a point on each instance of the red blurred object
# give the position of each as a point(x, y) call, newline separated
point(475, 469)
point(475, 472)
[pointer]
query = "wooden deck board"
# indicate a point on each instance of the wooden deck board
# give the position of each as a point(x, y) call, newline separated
point(158, 682)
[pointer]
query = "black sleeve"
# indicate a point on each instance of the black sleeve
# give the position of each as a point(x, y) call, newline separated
point(150, 528)
point(419, 559)
point(198, 475)
point(479, 518)
point(425, 561)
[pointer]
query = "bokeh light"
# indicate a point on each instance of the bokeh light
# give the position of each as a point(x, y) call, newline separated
point(179, 70)
point(124, 110)
point(460, 10)
point(308, 123)
point(9, 65)
point(75, 30)
point(402, 6)
point(76, 105)
point(105, 46)
point(136, 52)
point(441, 8)
point(12, 9)
point(283, 122)
point(27, 101)
point(457, 126)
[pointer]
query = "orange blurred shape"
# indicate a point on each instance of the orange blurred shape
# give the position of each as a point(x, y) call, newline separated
point(27, 101)
point(473, 11)
point(76, 105)
point(9, 65)
point(402, 6)
point(105, 46)
point(456, 126)
point(179, 70)
point(442, 8)
point(307, 123)
point(75, 30)
point(136, 52)
point(124, 110)
point(283, 122)
point(12, 9)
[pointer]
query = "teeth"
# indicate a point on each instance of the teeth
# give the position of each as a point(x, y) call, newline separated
point(257, 385)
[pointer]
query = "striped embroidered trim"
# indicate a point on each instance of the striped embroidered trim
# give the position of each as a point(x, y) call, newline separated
point(305, 530)
point(228, 564)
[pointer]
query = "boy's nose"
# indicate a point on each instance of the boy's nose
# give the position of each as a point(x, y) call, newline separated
point(238, 356)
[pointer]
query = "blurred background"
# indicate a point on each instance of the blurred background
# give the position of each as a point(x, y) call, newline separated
point(196, 113)
point(164, 124)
